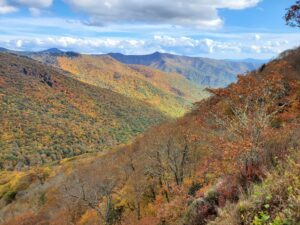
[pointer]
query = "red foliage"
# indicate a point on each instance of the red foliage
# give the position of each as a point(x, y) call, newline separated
point(228, 189)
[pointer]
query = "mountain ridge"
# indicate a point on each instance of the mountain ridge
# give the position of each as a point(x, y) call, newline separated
point(200, 70)
point(203, 71)
point(169, 92)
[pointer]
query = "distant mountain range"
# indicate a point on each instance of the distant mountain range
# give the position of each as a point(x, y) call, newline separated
point(169, 93)
point(201, 71)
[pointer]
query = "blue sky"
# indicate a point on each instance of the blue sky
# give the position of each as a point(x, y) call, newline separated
point(234, 29)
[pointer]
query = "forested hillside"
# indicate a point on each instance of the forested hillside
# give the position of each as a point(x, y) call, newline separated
point(201, 71)
point(233, 160)
point(169, 93)
point(47, 115)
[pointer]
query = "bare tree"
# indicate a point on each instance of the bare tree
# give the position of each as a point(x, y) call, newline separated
point(94, 189)
point(98, 198)
point(138, 183)
point(170, 160)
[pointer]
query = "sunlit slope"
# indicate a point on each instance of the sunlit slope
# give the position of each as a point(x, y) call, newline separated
point(170, 93)
point(46, 115)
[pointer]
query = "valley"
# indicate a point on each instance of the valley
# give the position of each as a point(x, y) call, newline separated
point(134, 112)
point(182, 171)
point(46, 115)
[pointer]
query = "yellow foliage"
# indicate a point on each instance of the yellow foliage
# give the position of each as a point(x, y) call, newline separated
point(89, 218)
point(169, 93)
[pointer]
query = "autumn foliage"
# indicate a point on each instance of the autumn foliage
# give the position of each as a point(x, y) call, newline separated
point(47, 116)
point(186, 171)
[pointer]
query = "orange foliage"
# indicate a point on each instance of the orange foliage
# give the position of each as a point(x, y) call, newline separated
point(215, 145)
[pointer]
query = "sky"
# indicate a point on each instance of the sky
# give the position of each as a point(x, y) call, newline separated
point(223, 29)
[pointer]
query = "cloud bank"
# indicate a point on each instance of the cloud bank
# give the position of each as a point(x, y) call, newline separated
point(236, 46)
point(200, 13)
point(139, 27)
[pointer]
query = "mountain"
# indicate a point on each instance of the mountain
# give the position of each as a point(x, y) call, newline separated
point(29, 53)
point(233, 160)
point(47, 115)
point(52, 51)
point(23, 53)
point(168, 92)
point(202, 71)
point(3, 49)
point(48, 56)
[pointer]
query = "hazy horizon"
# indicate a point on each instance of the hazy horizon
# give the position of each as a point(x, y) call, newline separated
point(146, 54)
point(219, 29)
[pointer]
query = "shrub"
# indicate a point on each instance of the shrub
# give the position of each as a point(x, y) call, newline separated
point(251, 169)
point(42, 199)
point(228, 189)
point(212, 196)
point(274, 202)
point(194, 188)
point(199, 212)
point(9, 196)
point(276, 123)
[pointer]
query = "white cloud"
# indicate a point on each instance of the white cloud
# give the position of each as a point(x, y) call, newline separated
point(39, 33)
point(172, 41)
point(257, 37)
point(5, 8)
point(239, 47)
point(233, 4)
point(35, 11)
point(200, 13)
point(34, 6)
point(19, 43)
point(31, 3)
point(186, 45)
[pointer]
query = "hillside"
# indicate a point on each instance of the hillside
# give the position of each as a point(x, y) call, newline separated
point(233, 160)
point(46, 115)
point(169, 93)
point(202, 71)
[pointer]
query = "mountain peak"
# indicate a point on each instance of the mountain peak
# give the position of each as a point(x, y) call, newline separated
point(53, 51)
point(156, 53)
